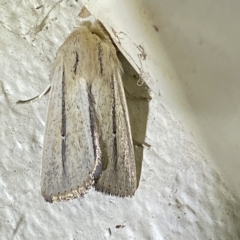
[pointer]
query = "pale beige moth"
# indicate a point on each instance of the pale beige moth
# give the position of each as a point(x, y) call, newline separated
point(88, 139)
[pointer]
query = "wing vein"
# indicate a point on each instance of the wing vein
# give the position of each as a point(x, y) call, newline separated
point(63, 130)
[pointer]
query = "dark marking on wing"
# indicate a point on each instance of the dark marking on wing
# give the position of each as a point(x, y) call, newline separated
point(114, 130)
point(76, 63)
point(100, 53)
point(63, 130)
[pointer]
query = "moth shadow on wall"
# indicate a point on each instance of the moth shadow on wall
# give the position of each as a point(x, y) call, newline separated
point(138, 107)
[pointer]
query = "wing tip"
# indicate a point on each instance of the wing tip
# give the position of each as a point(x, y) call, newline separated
point(116, 191)
point(66, 195)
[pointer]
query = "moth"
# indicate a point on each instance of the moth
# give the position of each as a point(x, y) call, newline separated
point(88, 140)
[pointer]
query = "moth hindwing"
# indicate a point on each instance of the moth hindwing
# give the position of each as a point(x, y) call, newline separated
point(88, 140)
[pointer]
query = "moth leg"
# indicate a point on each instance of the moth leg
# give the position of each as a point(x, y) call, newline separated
point(39, 96)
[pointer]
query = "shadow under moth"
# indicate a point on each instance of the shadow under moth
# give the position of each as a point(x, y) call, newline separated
point(88, 140)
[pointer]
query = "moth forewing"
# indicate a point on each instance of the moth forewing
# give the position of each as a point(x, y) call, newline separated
point(119, 178)
point(87, 137)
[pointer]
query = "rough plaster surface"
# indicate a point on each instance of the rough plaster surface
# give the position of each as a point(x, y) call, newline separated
point(180, 195)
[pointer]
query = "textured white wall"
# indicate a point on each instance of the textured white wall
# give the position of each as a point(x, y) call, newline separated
point(180, 195)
